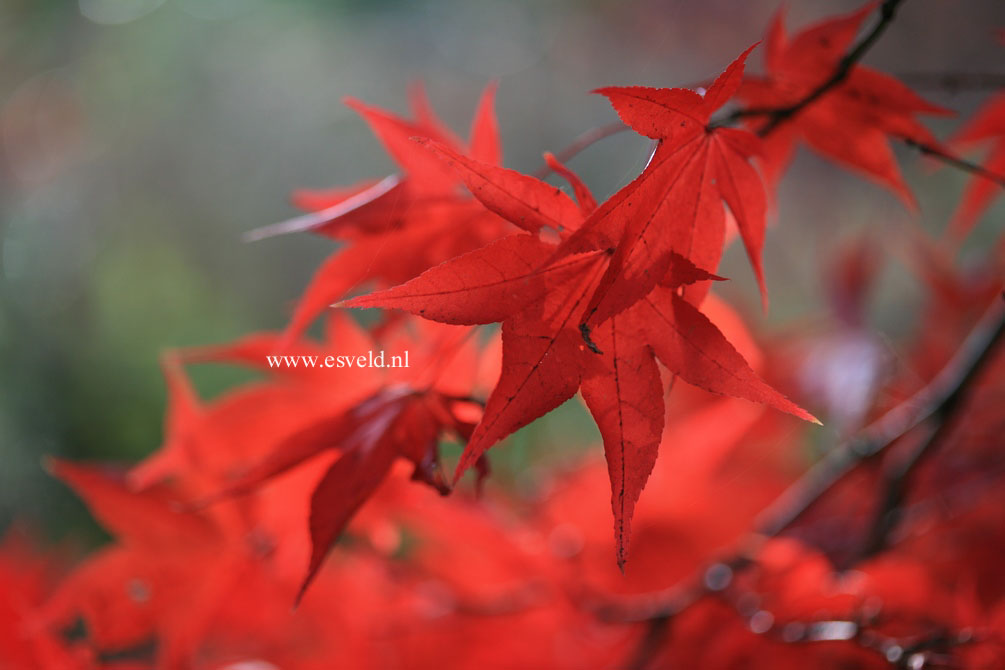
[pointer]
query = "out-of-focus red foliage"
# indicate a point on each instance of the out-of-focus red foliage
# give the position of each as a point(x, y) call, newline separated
point(758, 541)
point(853, 123)
point(425, 581)
point(987, 127)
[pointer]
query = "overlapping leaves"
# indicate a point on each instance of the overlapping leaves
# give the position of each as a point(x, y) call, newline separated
point(618, 291)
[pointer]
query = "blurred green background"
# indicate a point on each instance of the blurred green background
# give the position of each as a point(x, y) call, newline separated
point(140, 138)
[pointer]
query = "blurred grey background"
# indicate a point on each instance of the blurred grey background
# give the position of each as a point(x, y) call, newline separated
point(140, 138)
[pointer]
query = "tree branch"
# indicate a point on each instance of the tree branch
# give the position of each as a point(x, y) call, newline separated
point(898, 480)
point(932, 400)
point(935, 399)
point(778, 115)
point(887, 11)
point(652, 640)
point(950, 159)
point(954, 81)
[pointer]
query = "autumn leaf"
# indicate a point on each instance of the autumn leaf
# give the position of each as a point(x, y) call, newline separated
point(483, 286)
point(755, 546)
point(485, 145)
point(525, 201)
point(419, 209)
point(161, 577)
point(370, 419)
point(675, 205)
point(541, 293)
point(625, 397)
point(584, 197)
point(853, 122)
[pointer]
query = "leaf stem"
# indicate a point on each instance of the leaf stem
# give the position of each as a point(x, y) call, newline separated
point(584, 141)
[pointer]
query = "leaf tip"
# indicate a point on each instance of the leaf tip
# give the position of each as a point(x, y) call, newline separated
point(605, 91)
point(353, 103)
point(462, 467)
point(51, 465)
point(308, 580)
point(801, 413)
point(298, 598)
point(359, 301)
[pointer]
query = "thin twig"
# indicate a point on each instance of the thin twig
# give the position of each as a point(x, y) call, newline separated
point(887, 11)
point(777, 115)
point(953, 81)
point(585, 140)
point(950, 159)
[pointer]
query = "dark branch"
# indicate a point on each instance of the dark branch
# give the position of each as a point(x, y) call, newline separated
point(950, 159)
point(898, 480)
point(777, 115)
point(931, 402)
point(656, 631)
point(954, 81)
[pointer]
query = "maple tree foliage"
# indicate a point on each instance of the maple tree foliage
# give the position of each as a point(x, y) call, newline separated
point(614, 277)
point(419, 209)
point(853, 122)
point(987, 126)
point(327, 490)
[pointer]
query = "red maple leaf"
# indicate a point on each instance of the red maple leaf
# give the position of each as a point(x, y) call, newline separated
point(675, 206)
point(420, 209)
point(621, 272)
point(853, 121)
point(26, 574)
point(372, 417)
point(161, 578)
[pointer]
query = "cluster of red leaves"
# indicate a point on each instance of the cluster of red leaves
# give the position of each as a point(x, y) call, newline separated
point(426, 581)
point(851, 123)
point(420, 210)
point(222, 529)
point(619, 289)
